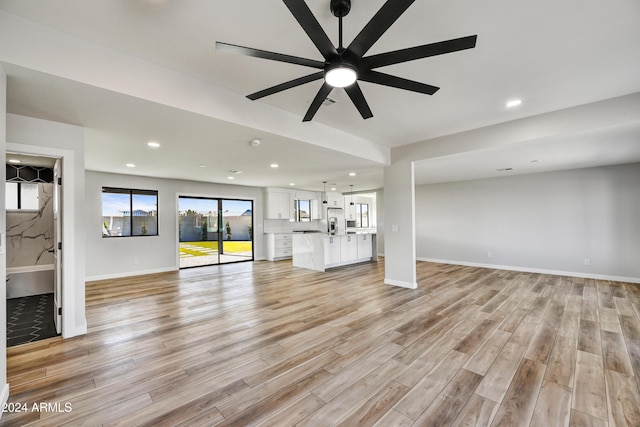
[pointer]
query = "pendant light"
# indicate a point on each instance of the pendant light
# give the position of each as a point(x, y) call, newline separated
point(351, 195)
point(324, 192)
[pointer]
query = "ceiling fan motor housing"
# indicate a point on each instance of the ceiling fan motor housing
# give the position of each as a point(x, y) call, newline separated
point(340, 8)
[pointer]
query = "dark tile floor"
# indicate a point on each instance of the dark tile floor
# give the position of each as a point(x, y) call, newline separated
point(30, 319)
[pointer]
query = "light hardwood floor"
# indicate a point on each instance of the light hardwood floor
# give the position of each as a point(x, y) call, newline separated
point(271, 345)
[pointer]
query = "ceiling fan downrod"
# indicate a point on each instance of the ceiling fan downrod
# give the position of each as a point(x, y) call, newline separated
point(340, 9)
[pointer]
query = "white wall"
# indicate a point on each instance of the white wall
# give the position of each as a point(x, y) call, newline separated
point(540, 222)
point(114, 257)
point(4, 387)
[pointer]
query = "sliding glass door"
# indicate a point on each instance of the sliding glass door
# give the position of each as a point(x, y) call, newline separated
point(214, 231)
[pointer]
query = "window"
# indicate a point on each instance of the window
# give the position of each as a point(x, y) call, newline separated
point(129, 212)
point(302, 210)
point(362, 215)
point(21, 196)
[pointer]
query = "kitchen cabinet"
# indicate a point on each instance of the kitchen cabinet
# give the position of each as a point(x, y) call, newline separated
point(279, 204)
point(278, 246)
point(332, 250)
point(364, 246)
point(348, 248)
point(318, 251)
point(334, 199)
point(316, 209)
point(349, 209)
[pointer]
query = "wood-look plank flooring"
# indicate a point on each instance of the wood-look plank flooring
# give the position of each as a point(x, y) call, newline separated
point(268, 344)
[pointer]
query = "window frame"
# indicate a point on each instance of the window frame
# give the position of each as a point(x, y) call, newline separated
point(359, 215)
point(131, 193)
point(297, 210)
point(18, 193)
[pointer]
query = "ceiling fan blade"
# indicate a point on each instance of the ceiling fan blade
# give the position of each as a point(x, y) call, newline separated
point(356, 95)
point(381, 21)
point(265, 54)
point(286, 85)
point(317, 102)
point(419, 52)
point(311, 26)
point(397, 82)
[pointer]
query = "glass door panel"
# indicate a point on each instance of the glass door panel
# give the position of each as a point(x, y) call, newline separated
point(198, 231)
point(214, 231)
point(237, 230)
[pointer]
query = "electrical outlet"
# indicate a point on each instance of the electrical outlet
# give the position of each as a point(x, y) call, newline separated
point(489, 254)
point(136, 260)
point(587, 261)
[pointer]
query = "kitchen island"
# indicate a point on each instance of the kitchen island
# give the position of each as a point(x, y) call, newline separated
point(320, 251)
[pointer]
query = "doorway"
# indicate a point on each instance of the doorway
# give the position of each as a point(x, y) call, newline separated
point(33, 282)
point(214, 231)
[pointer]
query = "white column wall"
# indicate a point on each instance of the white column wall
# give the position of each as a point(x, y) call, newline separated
point(4, 387)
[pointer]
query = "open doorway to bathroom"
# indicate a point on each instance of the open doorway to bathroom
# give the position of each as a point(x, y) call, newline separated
point(32, 207)
point(214, 231)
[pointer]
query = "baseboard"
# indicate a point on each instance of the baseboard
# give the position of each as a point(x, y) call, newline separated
point(401, 284)
point(129, 274)
point(536, 270)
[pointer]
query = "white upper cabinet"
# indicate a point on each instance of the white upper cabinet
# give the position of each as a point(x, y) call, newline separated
point(349, 209)
point(334, 199)
point(279, 204)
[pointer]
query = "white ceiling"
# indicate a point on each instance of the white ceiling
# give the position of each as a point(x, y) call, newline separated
point(550, 54)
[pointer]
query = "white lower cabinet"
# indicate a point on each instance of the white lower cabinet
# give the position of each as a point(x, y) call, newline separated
point(332, 250)
point(348, 248)
point(365, 246)
point(279, 246)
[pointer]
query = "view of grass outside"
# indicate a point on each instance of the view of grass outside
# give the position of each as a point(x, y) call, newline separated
point(213, 231)
point(205, 248)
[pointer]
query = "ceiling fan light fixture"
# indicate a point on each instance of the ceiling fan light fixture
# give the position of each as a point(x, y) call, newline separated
point(341, 76)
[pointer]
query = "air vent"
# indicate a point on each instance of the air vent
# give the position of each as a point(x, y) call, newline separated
point(328, 101)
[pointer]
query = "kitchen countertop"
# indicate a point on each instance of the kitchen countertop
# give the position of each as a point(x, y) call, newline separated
point(341, 233)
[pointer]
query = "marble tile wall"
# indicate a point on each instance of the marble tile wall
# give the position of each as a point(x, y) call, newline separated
point(30, 233)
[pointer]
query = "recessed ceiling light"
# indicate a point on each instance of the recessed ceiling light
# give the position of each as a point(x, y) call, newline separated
point(153, 144)
point(352, 174)
point(231, 177)
point(274, 165)
point(333, 188)
point(255, 142)
point(15, 161)
point(130, 165)
point(202, 165)
point(292, 183)
point(514, 103)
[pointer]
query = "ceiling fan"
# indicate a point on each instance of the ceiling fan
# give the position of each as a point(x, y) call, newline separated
point(343, 67)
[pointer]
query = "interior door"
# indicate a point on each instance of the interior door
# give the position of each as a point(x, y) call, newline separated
point(57, 253)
